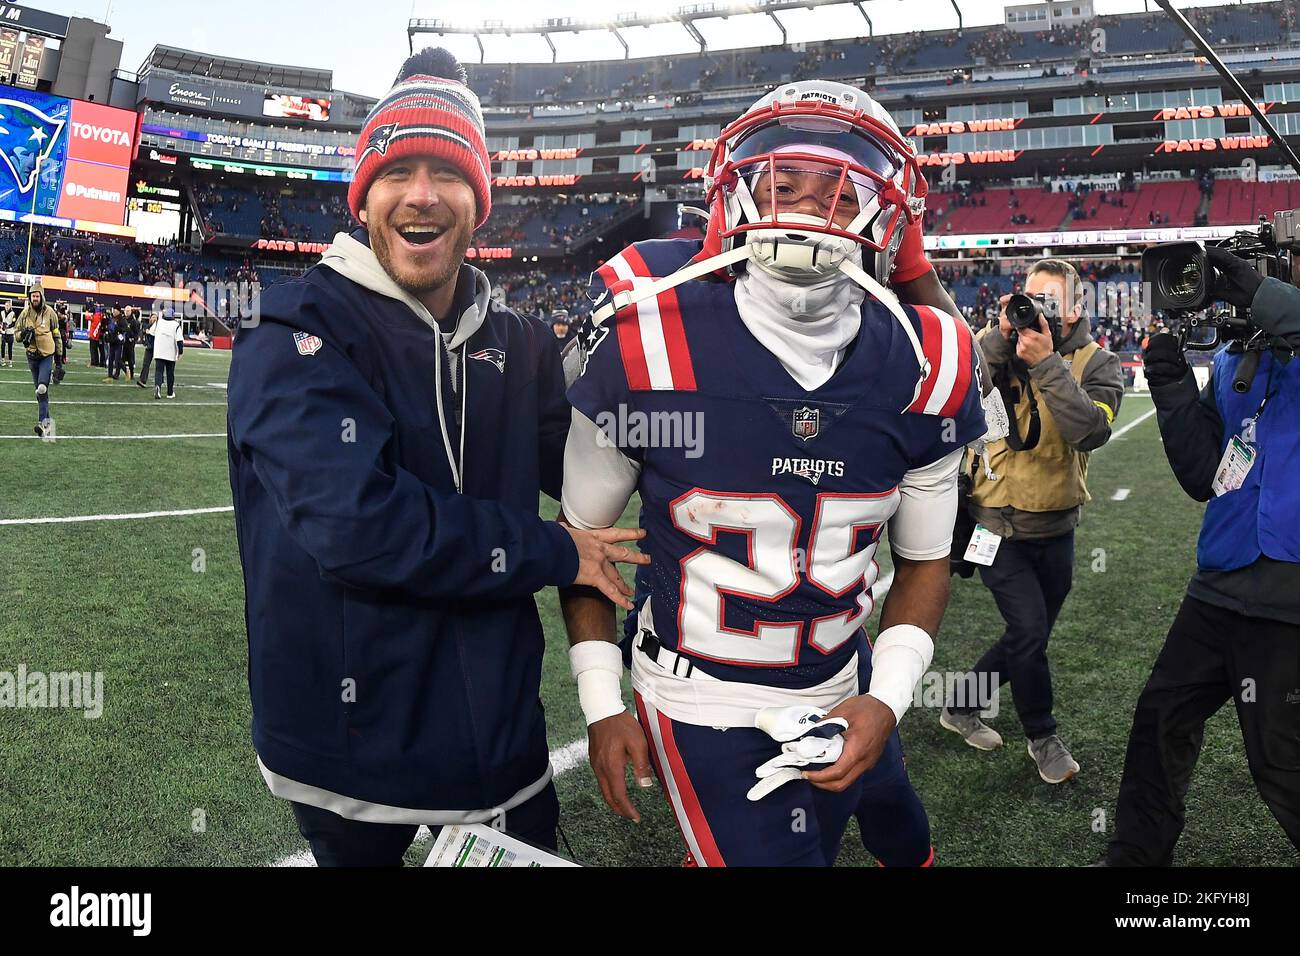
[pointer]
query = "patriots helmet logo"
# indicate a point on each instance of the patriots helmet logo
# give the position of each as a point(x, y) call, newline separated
point(378, 140)
point(495, 356)
point(27, 136)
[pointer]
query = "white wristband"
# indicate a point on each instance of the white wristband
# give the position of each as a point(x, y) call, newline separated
point(598, 668)
point(899, 659)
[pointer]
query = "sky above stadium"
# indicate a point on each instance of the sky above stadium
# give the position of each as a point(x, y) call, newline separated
point(365, 42)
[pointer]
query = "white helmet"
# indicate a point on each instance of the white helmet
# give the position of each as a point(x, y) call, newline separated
point(818, 135)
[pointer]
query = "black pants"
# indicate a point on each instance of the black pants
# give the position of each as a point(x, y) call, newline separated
point(128, 356)
point(114, 359)
point(6, 348)
point(337, 841)
point(1029, 581)
point(1210, 655)
point(96, 354)
point(148, 359)
point(165, 369)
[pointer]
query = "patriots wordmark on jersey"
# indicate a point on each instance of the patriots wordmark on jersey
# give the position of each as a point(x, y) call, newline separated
point(763, 537)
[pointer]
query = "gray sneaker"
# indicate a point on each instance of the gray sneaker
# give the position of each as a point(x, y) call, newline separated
point(973, 730)
point(1055, 765)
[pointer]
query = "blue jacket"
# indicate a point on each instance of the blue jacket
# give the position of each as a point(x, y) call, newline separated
point(394, 644)
point(1262, 517)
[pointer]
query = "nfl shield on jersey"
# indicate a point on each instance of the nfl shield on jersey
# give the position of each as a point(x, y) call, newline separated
point(763, 530)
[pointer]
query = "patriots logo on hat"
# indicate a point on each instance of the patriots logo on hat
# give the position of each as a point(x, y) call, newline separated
point(380, 137)
point(307, 344)
point(26, 134)
point(495, 356)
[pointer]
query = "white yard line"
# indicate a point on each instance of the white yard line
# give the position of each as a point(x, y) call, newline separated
point(141, 402)
point(124, 517)
point(1120, 494)
point(1132, 425)
point(58, 438)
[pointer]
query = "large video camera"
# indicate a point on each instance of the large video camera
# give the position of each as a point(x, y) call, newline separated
point(1184, 284)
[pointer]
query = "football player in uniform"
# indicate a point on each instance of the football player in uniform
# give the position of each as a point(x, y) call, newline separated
point(776, 407)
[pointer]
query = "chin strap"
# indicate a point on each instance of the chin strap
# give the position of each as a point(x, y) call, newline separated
point(621, 300)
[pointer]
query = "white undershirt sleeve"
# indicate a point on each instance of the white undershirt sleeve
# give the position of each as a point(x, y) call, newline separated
point(598, 478)
point(921, 528)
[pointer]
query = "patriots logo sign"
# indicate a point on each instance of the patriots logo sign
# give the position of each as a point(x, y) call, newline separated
point(495, 356)
point(26, 136)
point(307, 344)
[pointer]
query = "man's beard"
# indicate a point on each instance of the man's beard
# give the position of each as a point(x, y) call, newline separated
point(418, 283)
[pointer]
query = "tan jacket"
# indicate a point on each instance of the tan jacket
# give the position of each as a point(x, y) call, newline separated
point(46, 323)
point(1039, 492)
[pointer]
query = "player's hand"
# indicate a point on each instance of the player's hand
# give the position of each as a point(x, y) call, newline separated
point(1033, 346)
point(870, 724)
point(598, 551)
point(612, 744)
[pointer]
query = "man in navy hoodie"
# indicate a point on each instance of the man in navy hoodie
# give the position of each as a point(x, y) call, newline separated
point(390, 428)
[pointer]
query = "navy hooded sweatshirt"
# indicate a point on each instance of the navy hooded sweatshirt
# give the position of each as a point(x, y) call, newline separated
point(394, 645)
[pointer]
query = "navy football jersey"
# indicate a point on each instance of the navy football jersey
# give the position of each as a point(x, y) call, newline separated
point(764, 502)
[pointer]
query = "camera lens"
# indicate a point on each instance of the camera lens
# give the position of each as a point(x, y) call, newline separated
point(1022, 311)
point(1181, 279)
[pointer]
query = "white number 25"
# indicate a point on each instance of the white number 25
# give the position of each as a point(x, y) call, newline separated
point(772, 571)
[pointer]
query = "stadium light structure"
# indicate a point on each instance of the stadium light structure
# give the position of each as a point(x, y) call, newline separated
point(684, 16)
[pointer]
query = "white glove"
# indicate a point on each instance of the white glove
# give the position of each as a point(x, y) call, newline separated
point(807, 737)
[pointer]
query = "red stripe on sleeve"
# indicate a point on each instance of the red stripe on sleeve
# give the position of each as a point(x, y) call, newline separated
point(961, 385)
point(932, 348)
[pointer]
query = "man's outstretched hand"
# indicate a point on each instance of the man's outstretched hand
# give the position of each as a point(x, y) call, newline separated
point(598, 552)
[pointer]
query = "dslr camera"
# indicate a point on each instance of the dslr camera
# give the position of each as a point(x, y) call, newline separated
point(1182, 282)
point(1024, 311)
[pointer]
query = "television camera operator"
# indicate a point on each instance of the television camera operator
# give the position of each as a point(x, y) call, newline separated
point(1236, 445)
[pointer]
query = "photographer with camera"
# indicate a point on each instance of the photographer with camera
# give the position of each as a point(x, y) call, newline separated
point(1236, 445)
point(1062, 392)
point(38, 327)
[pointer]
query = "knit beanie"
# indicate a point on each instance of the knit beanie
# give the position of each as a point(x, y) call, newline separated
point(431, 111)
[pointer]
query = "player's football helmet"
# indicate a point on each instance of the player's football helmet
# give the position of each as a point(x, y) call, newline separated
point(828, 140)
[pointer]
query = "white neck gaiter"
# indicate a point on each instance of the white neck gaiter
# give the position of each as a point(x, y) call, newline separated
point(807, 327)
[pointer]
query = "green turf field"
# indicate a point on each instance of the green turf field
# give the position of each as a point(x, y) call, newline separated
point(167, 774)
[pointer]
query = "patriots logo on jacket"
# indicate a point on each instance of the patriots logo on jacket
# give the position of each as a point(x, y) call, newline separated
point(26, 134)
point(495, 356)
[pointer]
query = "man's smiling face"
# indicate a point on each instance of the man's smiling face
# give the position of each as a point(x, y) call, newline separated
point(420, 213)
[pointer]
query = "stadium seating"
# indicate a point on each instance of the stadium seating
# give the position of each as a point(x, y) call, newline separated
point(1240, 203)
